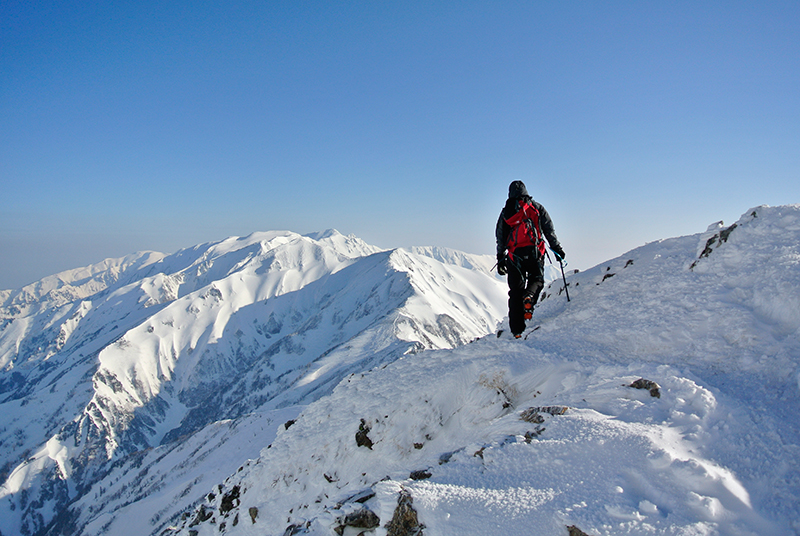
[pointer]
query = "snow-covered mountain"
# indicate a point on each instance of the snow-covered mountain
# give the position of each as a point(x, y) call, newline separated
point(662, 399)
point(131, 387)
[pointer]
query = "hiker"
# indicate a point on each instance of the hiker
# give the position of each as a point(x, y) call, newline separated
point(521, 252)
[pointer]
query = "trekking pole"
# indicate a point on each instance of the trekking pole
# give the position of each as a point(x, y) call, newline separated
point(564, 277)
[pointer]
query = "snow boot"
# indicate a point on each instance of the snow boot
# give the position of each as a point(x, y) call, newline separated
point(527, 305)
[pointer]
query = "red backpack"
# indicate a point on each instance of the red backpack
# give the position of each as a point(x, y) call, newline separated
point(525, 229)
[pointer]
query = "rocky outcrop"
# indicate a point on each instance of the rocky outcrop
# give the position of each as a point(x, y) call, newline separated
point(404, 522)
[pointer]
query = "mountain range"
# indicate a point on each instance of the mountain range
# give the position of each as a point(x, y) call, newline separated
point(282, 384)
point(104, 365)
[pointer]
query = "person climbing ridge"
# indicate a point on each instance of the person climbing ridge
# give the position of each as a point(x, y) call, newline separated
point(521, 229)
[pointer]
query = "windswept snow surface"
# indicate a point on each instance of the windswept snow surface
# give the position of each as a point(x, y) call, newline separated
point(129, 388)
point(532, 436)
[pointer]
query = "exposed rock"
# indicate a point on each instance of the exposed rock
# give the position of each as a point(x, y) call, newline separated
point(575, 531)
point(362, 439)
point(718, 238)
point(723, 234)
point(533, 415)
point(360, 519)
point(404, 520)
point(533, 434)
point(291, 530)
point(653, 387)
point(422, 474)
point(229, 501)
point(253, 511)
point(202, 516)
point(444, 458)
point(360, 497)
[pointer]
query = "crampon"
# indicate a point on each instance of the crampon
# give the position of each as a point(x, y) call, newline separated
point(527, 305)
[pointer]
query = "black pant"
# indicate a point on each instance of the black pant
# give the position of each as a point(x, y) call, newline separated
point(525, 279)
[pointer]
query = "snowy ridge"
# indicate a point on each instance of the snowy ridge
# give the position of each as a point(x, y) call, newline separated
point(482, 263)
point(552, 431)
point(79, 283)
point(53, 346)
point(213, 332)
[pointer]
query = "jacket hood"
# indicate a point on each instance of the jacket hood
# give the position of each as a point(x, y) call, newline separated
point(517, 189)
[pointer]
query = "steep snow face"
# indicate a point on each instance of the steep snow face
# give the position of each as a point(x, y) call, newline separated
point(211, 353)
point(50, 347)
point(551, 431)
point(731, 288)
point(215, 332)
point(37, 321)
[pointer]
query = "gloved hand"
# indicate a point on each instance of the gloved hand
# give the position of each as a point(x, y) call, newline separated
point(558, 250)
point(501, 264)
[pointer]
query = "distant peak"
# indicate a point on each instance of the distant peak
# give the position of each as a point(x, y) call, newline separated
point(321, 235)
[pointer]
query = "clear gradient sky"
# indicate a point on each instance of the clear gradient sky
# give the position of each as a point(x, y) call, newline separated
point(139, 125)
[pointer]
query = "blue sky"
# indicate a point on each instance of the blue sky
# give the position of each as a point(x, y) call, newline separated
point(128, 126)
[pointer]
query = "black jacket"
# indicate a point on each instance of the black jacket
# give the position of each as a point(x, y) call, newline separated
point(503, 229)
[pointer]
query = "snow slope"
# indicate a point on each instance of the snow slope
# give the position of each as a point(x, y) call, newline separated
point(128, 369)
point(533, 436)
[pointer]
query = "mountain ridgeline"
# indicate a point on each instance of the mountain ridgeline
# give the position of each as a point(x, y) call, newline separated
point(105, 367)
point(287, 385)
point(662, 399)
